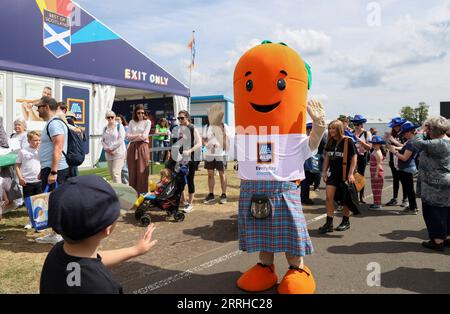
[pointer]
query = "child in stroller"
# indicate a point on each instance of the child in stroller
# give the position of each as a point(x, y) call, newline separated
point(166, 197)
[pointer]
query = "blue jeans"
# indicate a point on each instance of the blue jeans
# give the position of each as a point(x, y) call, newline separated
point(160, 155)
point(124, 173)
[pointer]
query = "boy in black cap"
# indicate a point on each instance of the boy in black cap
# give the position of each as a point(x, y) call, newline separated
point(84, 211)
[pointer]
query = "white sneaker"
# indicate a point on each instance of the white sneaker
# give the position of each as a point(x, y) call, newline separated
point(188, 208)
point(19, 202)
point(28, 226)
point(408, 211)
point(51, 238)
point(405, 204)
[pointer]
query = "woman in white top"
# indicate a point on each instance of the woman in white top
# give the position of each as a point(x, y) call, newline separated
point(114, 145)
point(19, 135)
point(138, 154)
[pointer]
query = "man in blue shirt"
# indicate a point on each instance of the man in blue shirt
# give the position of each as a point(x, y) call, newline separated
point(54, 168)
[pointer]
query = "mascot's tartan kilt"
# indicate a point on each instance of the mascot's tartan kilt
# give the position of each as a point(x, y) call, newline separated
point(284, 231)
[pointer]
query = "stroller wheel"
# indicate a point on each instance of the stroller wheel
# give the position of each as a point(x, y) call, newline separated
point(179, 217)
point(138, 214)
point(146, 220)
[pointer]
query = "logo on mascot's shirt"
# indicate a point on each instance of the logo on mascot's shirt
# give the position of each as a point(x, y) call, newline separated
point(265, 153)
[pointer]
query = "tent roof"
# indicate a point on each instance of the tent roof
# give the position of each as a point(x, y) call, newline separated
point(38, 39)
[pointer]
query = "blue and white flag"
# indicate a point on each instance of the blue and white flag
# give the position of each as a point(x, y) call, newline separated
point(57, 34)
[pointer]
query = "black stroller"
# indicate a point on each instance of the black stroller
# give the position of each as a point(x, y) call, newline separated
point(168, 200)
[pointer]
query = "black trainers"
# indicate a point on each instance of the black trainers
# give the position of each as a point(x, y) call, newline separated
point(392, 202)
point(209, 199)
point(433, 245)
point(327, 227)
point(308, 202)
point(223, 199)
point(345, 225)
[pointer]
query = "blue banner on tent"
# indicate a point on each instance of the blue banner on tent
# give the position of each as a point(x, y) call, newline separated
point(77, 100)
point(76, 46)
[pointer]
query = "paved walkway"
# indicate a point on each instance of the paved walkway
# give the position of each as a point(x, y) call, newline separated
point(201, 254)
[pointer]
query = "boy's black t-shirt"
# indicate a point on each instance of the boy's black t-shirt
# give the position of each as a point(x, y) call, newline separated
point(59, 276)
point(335, 153)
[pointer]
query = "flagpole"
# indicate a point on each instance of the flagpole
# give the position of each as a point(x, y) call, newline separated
point(190, 71)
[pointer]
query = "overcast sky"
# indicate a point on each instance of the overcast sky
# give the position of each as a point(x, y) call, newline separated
point(367, 57)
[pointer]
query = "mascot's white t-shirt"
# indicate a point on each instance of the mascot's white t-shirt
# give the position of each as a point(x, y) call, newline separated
point(272, 157)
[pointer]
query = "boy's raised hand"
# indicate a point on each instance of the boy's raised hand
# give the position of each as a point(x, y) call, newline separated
point(145, 244)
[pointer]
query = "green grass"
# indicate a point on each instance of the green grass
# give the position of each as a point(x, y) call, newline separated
point(21, 258)
point(102, 172)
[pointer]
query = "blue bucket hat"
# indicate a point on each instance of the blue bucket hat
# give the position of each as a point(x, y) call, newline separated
point(309, 125)
point(377, 140)
point(398, 121)
point(359, 119)
point(408, 126)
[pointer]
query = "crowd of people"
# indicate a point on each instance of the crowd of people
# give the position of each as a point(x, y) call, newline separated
point(343, 154)
point(128, 154)
point(41, 156)
point(414, 151)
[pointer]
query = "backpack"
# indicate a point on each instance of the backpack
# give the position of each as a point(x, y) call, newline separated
point(75, 153)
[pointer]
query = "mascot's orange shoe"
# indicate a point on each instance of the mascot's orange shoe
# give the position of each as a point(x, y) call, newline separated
point(258, 278)
point(297, 281)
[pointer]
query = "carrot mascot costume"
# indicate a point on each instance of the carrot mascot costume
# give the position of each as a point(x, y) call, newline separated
point(271, 83)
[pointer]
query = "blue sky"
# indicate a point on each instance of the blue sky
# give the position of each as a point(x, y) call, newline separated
point(369, 57)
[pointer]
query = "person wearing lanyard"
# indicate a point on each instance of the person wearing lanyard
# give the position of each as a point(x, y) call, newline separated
point(333, 175)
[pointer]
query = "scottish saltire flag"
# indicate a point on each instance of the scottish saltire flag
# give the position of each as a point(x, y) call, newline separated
point(193, 51)
point(57, 34)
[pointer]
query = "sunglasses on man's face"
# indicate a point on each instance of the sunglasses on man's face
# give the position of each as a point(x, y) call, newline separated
point(181, 118)
point(358, 124)
point(110, 118)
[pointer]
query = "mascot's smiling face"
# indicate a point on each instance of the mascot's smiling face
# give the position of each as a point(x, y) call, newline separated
point(270, 89)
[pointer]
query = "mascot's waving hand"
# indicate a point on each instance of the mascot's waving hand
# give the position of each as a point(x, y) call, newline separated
point(271, 84)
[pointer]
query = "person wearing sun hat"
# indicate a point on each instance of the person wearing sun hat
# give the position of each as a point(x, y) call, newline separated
point(363, 147)
point(377, 171)
point(407, 165)
point(393, 138)
point(347, 130)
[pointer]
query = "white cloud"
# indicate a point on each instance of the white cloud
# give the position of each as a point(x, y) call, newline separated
point(371, 70)
point(357, 71)
point(167, 49)
point(307, 42)
point(413, 42)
